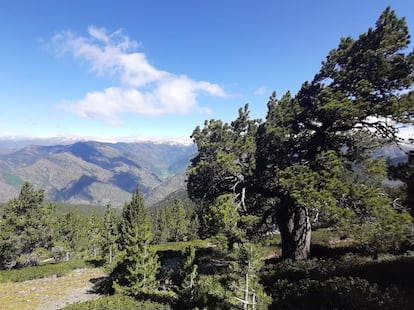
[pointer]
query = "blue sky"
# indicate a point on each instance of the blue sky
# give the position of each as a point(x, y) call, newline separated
point(156, 68)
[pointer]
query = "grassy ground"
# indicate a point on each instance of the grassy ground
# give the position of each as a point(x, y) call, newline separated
point(46, 293)
point(181, 246)
point(337, 275)
point(44, 271)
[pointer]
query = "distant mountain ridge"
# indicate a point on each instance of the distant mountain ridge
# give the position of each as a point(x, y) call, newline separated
point(160, 192)
point(91, 172)
point(101, 173)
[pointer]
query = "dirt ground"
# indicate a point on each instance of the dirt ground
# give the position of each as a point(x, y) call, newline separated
point(50, 293)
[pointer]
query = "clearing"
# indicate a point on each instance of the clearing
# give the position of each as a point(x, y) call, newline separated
point(50, 293)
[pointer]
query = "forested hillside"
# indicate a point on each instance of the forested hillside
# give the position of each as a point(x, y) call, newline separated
point(92, 172)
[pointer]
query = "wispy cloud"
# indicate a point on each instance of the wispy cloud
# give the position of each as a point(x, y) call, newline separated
point(143, 89)
point(261, 90)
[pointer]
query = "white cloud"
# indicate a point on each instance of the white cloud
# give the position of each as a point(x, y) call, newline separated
point(261, 90)
point(143, 89)
point(403, 131)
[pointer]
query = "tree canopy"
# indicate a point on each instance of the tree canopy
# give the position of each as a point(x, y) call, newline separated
point(138, 258)
point(26, 225)
point(302, 160)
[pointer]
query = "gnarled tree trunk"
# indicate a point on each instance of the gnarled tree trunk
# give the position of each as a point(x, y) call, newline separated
point(295, 231)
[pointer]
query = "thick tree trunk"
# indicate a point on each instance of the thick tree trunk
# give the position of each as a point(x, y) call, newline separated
point(295, 231)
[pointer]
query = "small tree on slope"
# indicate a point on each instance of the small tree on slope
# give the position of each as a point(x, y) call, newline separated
point(137, 255)
point(27, 225)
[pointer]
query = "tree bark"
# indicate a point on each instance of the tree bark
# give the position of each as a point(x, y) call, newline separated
point(295, 231)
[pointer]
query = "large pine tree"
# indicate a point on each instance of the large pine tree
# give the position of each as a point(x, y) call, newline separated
point(362, 90)
point(283, 170)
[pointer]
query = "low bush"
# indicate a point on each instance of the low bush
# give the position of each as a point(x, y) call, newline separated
point(338, 293)
point(118, 302)
point(37, 272)
point(384, 270)
point(351, 282)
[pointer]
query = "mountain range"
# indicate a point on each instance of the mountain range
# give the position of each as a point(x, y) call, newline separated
point(101, 173)
point(96, 173)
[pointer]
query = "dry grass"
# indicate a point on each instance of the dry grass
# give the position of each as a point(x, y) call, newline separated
point(49, 293)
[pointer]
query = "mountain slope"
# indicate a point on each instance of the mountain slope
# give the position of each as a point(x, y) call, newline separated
point(170, 186)
point(92, 172)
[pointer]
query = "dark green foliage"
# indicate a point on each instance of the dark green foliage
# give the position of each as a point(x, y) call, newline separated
point(80, 235)
point(356, 203)
point(179, 222)
point(73, 235)
point(246, 287)
point(224, 219)
point(189, 278)
point(212, 293)
point(32, 231)
point(160, 225)
point(220, 280)
point(370, 72)
point(118, 302)
point(138, 261)
point(109, 234)
point(338, 293)
point(224, 166)
point(351, 282)
point(405, 173)
point(168, 201)
point(303, 161)
point(175, 223)
point(27, 225)
point(225, 158)
point(95, 234)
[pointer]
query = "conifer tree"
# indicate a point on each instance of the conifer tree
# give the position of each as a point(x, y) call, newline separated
point(189, 277)
point(194, 227)
point(27, 225)
point(72, 234)
point(161, 226)
point(175, 223)
point(224, 167)
point(109, 234)
point(137, 255)
point(95, 227)
point(364, 88)
point(181, 223)
point(405, 173)
point(248, 292)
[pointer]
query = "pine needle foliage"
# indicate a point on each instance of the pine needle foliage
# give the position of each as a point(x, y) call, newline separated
point(138, 257)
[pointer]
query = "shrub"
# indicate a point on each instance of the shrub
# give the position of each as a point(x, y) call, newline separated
point(338, 293)
point(351, 282)
point(116, 302)
point(384, 270)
